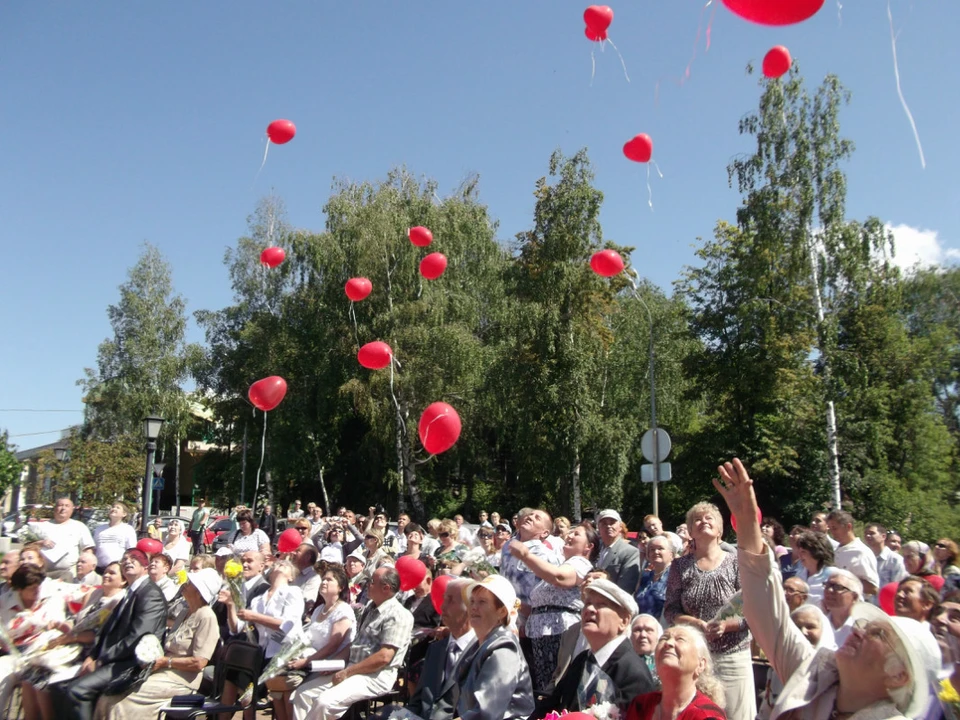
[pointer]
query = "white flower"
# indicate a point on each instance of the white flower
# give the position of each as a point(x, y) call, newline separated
point(149, 650)
point(604, 711)
point(474, 555)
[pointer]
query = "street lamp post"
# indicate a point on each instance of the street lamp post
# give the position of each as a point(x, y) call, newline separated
point(653, 406)
point(151, 430)
point(63, 455)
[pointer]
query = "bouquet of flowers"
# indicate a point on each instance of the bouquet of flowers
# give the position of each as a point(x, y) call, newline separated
point(604, 711)
point(181, 577)
point(233, 571)
point(476, 565)
point(732, 608)
point(292, 648)
point(148, 650)
point(949, 699)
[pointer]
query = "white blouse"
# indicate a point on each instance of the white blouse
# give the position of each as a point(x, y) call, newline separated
point(286, 603)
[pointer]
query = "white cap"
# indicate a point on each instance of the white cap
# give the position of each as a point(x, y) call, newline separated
point(502, 589)
point(614, 593)
point(609, 514)
point(207, 582)
point(224, 552)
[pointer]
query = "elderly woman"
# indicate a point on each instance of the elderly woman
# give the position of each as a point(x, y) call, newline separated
point(883, 670)
point(690, 690)
point(248, 537)
point(645, 632)
point(555, 601)
point(698, 588)
point(652, 591)
point(945, 553)
point(917, 559)
point(373, 553)
point(331, 629)
point(176, 546)
point(815, 555)
point(496, 686)
point(30, 622)
point(187, 650)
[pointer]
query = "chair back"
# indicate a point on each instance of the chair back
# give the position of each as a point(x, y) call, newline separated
point(241, 662)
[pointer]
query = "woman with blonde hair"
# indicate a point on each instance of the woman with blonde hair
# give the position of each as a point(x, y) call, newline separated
point(690, 689)
point(699, 586)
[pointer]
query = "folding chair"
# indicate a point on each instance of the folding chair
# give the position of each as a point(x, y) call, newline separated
point(239, 660)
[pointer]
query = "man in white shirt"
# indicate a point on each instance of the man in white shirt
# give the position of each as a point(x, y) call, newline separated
point(889, 564)
point(114, 538)
point(307, 579)
point(463, 532)
point(851, 554)
point(63, 539)
point(818, 523)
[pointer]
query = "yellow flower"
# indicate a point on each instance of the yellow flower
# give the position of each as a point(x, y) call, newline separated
point(181, 576)
point(948, 693)
point(232, 569)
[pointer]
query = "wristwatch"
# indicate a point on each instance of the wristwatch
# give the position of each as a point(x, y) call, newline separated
point(169, 662)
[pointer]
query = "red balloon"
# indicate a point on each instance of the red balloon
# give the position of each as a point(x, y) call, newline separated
point(150, 546)
point(375, 355)
point(774, 12)
point(639, 149)
point(266, 394)
point(438, 589)
point(412, 572)
point(439, 428)
point(281, 131)
point(886, 596)
point(433, 265)
point(598, 19)
point(272, 256)
point(607, 263)
point(776, 62)
point(733, 520)
point(289, 540)
point(595, 36)
point(358, 288)
point(420, 236)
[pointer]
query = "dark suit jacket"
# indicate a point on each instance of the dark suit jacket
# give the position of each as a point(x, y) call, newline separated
point(626, 669)
point(142, 613)
point(268, 523)
point(436, 696)
point(425, 616)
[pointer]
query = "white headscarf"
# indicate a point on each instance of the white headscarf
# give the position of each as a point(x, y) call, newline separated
point(827, 638)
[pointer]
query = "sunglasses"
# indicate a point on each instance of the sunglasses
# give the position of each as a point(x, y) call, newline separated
point(485, 536)
point(444, 534)
point(303, 529)
point(941, 546)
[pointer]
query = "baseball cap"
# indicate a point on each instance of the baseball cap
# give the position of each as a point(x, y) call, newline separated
point(614, 593)
point(609, 514)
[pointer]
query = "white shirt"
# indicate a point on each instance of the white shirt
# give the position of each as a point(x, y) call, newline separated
point(285, 604)
point(890, 567)
point(69, 538)
point(856, 557)
point(604, 653)
point(137, 583)
point(465, 536)
point(112, 541)
point(309, 583)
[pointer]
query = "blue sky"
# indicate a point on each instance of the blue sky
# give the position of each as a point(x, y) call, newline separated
point(126, 122)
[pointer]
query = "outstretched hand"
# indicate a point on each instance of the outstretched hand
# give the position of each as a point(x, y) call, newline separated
point(736, 487)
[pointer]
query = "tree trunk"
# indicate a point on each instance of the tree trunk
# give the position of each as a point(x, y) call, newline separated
point(326, 498)
point(833, 454)
point(176, 480)
point(576, 510)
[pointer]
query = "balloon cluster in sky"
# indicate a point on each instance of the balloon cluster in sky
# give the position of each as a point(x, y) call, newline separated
point(440, 426)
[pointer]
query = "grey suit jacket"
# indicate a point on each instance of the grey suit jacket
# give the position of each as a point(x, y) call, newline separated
point(436, 696)
point(497, 684)
point(622, 563)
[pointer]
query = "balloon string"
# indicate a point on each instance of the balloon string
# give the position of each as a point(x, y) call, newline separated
point(426, 430)
point(593, 66)
point(622, 63)
point(353, 316)
point(839, 14)
point(264, 162)
point(393, 396)
point(696, 40)
point(896, 74)
point(649, 189)
point(263, 449)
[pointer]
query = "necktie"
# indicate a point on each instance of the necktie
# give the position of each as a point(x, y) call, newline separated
point(588, 681)
point(453, 654)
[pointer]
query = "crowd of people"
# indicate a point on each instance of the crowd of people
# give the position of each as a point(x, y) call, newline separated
point(531, 617)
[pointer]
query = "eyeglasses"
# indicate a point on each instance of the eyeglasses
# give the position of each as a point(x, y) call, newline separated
point(444, 534)
point(836, 587)
point(875, 631)
point(485, 536)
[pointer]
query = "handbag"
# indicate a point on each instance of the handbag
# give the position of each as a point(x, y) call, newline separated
point(194, 700)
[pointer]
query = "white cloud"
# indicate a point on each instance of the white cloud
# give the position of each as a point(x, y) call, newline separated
point(916, 245)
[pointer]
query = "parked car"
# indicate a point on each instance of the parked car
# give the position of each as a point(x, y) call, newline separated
point(220, 534)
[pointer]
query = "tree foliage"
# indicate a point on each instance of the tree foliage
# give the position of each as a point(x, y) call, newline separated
point(10, 467)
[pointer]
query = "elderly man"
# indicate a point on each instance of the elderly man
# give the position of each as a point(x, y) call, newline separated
point(87, 569)
point(851, 554)
point(610, 670)
point(653, 525)
point(438, 691)
point(63, 540)
point(375, 655)
point(796, 591)
point(916, 598)
point(531, 531)
point(618, 557)
point(254, 585)
point(8, 566)
point(884, 669)
point(112, 664)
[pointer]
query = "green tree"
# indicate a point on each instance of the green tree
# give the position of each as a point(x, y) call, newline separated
point(10, 467)
point(142, 368)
